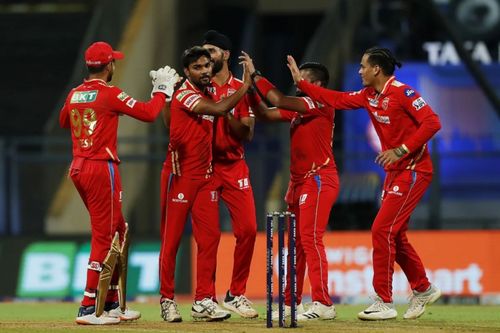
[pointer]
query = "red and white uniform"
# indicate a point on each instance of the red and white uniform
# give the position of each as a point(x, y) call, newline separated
point(186, 188)
point(312, 191)
point(400, 116)
point(91, 112)
point(231, 180)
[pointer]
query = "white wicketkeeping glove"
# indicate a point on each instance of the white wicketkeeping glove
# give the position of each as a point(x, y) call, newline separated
point(164, 81)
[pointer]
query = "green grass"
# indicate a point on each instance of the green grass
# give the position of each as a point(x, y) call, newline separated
point(59, 317)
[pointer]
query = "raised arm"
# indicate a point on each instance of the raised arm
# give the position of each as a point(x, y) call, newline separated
point(270, 92)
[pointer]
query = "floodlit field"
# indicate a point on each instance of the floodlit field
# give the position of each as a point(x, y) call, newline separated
point(59, 317)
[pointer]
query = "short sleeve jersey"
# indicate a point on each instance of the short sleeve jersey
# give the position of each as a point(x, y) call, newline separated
point(311, 139)
point(398, 113)
point(227, 147)
point(190, 148)
point(92, 109)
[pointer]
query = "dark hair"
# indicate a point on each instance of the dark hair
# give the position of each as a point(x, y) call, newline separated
point(318, 71)
point(193, 54)
point(383, 58)
point(216, 38)
point(96, 69)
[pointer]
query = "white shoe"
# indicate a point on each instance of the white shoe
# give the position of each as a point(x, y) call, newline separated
point(86, 316)
point(241, 305)
point(418, 301)
point(208, 310)
point(378, 311)
point(169, 311)
point(288, 311)
point(115, 311)
point(318, 311)
point(220, 309)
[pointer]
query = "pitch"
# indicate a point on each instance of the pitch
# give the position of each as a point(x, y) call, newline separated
point(59, 317)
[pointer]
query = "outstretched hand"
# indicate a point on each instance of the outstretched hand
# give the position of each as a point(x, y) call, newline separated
point(294, 69)
point(245, 57)
point(246, 61)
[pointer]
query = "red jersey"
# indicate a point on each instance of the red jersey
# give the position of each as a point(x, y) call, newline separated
point(92, 110)
point(399, 115)
point(228, 147)
point(311, 139)
point(191, 134)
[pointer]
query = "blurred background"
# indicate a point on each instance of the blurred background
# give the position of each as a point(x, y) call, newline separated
point(450, 51)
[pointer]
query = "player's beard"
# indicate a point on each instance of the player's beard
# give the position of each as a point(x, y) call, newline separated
point(217, 66)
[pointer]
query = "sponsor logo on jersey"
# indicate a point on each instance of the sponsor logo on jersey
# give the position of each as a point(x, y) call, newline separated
point(395, 191)
point(131, 102)
point(182, 94)
point(409, 92)
point(302, 199)
point(214, 196)
point(84, 96)
point(180, 198)
point(122, 96)
point(385, 103)
point(373, 102)
point(189, 102)
point(355, 93)
point(382, 119)
point(230, 91)
point(419, 103)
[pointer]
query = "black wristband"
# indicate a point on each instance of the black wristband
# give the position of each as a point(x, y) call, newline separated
point(254, 74)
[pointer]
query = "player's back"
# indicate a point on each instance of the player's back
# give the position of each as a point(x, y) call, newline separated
point(93, 123)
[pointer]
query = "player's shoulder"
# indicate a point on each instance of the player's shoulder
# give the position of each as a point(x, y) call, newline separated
point(236, 83)
point(401, 88)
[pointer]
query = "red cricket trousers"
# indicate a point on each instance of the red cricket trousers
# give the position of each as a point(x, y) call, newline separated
point(99, 185)
point(232, 182)
point(401, 193)
point(312, 202)
point(179, 197)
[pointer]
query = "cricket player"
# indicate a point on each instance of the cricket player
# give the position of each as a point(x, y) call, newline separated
point(231, 177)
point(187, 185)
point(91, 112)
point(314, 183)
point(404, 123)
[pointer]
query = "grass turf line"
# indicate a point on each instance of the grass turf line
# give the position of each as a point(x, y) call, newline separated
point(59, 317)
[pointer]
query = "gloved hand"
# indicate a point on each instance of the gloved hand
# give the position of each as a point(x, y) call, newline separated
point(164, 80)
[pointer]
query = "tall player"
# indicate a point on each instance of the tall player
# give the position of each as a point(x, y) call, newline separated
point(314, 184)
point(404, 124)
point(231, 175)
point(186, 185)
point(92, 111)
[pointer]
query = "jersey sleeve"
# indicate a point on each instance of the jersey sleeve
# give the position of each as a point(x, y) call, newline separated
point(243, 109)
point(336, 99)
point(315, 108)
point(188, 98)
point(428, 121)
point(121, 102)
point(287, 115)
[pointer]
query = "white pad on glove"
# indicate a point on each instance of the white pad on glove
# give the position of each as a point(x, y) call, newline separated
point(164, 81)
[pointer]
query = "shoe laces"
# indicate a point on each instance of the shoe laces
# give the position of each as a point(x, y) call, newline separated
point(243, 301)
point(209, 304)
point(378, 304)
point(417, 300)
point(168, 304)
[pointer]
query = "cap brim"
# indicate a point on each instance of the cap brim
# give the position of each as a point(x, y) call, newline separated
point(117, 55)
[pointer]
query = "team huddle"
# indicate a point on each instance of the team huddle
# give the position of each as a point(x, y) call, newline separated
point(210, 115)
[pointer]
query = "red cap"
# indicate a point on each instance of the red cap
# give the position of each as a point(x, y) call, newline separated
point(101, 53)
